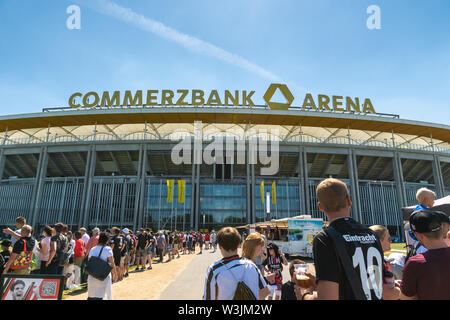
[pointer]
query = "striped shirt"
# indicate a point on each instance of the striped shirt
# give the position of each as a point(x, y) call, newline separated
point(220, 284)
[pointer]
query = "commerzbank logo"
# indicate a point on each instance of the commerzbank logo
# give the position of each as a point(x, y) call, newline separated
point(286, 93)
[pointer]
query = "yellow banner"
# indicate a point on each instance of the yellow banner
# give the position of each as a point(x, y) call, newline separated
point(262, 192)
point(169, 191)
point(274, 193)
point(181, 188)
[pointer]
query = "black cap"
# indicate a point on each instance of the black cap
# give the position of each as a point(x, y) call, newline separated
point(444, 217)
point(424, 221)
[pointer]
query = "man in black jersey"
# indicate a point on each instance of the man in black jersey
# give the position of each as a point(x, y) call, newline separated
point(348, 258)
point(117, 246)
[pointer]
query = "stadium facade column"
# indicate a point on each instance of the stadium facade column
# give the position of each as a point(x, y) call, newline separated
point(399, 180)
point(252, 172)
point(124, 199)
point(354, 179)
point(38, 185)
point(136, 221)
point(2, 155)
point(198, 159)
point(140, 187)
point(438, 178)
point(398, 176)
point(2, 163)
point(302, 181)
point(88, 181)
point(197, 197)
point(354, 184)
point(306, 181)
point(191, 216)
point(249, 186)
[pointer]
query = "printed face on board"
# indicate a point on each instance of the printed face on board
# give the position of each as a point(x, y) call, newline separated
point(17, 287)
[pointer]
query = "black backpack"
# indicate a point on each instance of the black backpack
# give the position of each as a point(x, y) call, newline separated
point(242, 292)
point(2, 261)
point(129, 242)
point(62, 253)
point(412, 250)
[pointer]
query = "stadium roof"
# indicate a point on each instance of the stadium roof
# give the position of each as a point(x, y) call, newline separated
point(130, 120)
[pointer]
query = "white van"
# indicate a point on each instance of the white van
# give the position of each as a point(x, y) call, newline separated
point(294, 236)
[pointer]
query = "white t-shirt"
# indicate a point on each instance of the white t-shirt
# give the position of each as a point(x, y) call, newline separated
point(421, 249)
point(398, 259)
point(106, 253)
point(45, 250)
point(72, 246)
point(219, 273)
point(14, 240)
point(98, 288)
point(213, 237)
point(85, 237)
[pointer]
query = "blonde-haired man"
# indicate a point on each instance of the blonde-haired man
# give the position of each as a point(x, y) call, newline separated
point(348, 257)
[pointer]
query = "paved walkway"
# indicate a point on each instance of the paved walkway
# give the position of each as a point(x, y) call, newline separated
point(189, 284)
point(181, 279)
point(145, 285)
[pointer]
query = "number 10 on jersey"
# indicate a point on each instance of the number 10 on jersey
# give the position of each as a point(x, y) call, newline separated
point(371, 276)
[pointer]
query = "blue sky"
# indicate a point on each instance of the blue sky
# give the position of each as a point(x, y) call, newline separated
point(321, 46)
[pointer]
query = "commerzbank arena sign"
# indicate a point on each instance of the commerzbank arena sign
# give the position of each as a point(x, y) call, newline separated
point(236, 98)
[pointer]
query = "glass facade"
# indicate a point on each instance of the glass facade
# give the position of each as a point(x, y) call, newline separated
point(159, 214)
point(287, 200)
point(222, 204)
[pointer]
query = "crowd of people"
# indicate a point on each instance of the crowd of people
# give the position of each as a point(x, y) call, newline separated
point(59, 251)
point(349, 258)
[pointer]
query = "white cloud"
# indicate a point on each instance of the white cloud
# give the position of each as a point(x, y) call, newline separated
point(189, 42)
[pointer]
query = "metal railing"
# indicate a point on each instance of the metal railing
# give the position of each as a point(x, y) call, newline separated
point(103, 137)
point(265, 107)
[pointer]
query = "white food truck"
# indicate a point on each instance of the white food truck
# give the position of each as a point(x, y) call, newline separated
point(294, 236)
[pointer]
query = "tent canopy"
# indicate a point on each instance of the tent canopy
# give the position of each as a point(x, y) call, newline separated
point(442, 204)
point(280, 223)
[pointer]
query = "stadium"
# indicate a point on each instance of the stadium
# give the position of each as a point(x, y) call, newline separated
point(110, 165)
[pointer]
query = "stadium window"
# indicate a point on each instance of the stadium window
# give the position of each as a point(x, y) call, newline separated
point(227, 175)
point(218, 171)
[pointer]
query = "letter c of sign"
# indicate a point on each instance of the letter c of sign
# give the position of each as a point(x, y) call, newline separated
point(71, 100)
